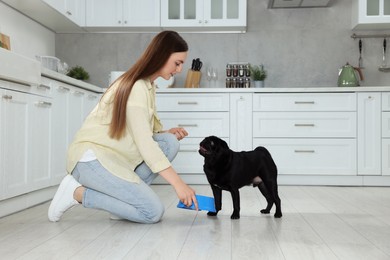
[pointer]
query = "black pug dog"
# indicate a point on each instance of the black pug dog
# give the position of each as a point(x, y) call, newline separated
point(230, 171)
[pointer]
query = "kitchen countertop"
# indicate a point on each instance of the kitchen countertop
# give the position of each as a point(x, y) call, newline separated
point(63, 78)
point(276, 90)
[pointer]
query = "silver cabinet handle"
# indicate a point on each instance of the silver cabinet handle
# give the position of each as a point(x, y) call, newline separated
point(79, 93)
point(7, 97)
point(44, 86)
point(92, 96)
point(43, 104)
point(304, 102)
point(188, 150)
point(187, 103)
point(62, 88)
point(304, 151)
point(304, 125)
point(68, 12)
point(187, 125)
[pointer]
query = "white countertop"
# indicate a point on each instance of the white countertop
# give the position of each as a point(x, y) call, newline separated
point(63, 78)
point(18, 68)
point(275, 90)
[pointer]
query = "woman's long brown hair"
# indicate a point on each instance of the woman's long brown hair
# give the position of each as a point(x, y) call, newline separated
point(153, 59)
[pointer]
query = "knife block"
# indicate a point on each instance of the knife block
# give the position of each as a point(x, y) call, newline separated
point(193, 79)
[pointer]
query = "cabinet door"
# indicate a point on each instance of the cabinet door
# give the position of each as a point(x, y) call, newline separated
point(371, 14)
point(39, 154)
point(59, 126)
point(225, 13)
point(141, 13)
point(76, 114)
point(15, 133)
point(2, 127)
point(369, 133)
point(103, 13)
point(182, 13)
point(241, 122)
point(74, 10)
point(90, 101)
point(312, 156)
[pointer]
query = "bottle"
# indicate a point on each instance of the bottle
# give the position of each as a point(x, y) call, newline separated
point(228, 70)
point(241, 72)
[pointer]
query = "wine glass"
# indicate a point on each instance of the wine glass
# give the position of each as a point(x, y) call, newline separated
point(209, 74)
point(214, 76)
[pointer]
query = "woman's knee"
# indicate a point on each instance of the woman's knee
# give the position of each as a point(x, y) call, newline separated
point(169, 145)
point(155, 214)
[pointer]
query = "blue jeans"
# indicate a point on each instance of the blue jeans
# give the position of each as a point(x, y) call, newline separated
point(136, 202)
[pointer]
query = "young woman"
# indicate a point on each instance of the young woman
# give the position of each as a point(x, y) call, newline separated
point(121, 146)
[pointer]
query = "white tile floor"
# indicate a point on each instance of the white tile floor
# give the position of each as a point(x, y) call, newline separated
point(318, 223)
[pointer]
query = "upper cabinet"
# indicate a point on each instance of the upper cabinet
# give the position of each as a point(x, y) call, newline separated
point(371, 14)
point(224, 14)
point(122, 13)
point(74, 10)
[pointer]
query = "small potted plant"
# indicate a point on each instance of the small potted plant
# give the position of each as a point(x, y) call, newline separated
point(78, 72)
point(259, 74)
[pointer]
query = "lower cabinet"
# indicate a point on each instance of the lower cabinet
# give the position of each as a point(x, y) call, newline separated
point(314, 138)
point(25, 124)
point(385, 134)
point(369, 133)
point(312, 156)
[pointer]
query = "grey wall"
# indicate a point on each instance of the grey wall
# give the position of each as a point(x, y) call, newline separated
point(299, 48)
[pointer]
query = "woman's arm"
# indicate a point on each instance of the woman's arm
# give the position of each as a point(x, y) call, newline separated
point(185, 193)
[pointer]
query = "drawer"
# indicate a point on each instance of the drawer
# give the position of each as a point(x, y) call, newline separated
point(386, 124)
point(188, 160)
point(385, 101)
point(198, 124)
point(312, 156)
point(305, 102)
point(192, 102)
point(303, 124)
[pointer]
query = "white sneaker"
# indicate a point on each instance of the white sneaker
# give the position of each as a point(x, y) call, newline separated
point(63, 199)
point(115, 217)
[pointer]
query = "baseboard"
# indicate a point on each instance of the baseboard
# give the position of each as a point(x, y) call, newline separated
point(15, 204)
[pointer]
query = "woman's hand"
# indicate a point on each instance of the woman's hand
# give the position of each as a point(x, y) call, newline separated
point(185, 194)
point(179, 132)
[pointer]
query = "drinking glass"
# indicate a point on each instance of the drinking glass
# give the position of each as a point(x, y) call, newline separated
point(214, 76)
point(209, 74)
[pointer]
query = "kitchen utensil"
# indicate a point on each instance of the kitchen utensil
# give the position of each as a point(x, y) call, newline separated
point(347, 76)
point(384, 67)
point(360, 53)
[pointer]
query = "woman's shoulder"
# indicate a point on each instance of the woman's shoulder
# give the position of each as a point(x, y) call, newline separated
point(142, 84)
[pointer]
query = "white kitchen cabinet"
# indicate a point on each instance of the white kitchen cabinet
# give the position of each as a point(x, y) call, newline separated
point(25, 128)
point(90, 101)
point(74, 10)
point(241, 121)
point(294, 156)
point(15, 118)
point(203, 13)
point(369, 132)
point(307, 133)
point(371, 14)
point(386, 133)
point(122, 13)
point(201, 115)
